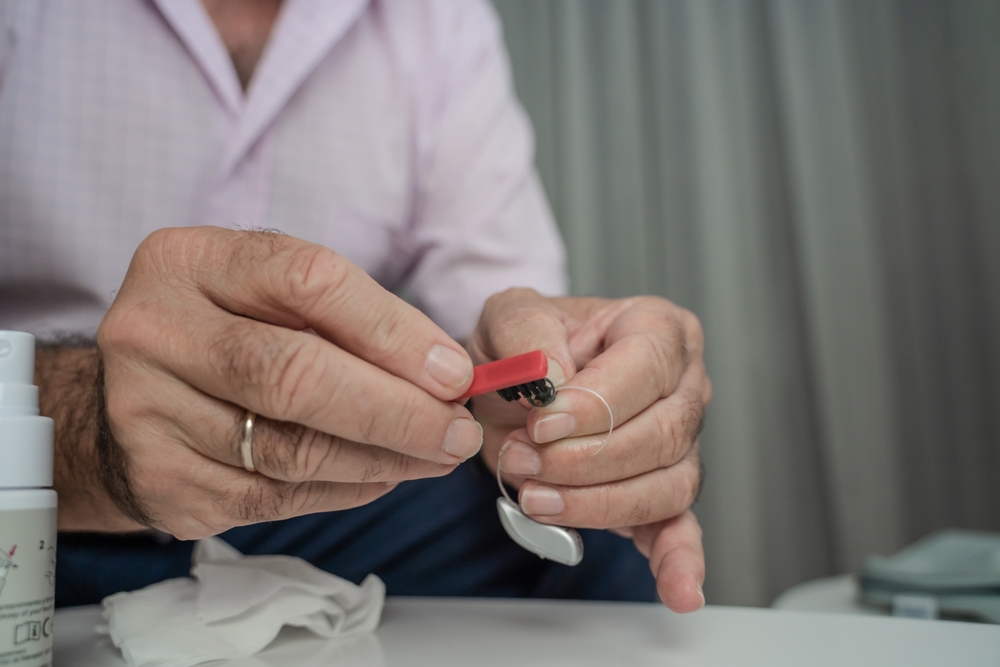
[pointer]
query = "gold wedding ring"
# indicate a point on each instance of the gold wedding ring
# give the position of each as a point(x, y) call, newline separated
point(246, 444)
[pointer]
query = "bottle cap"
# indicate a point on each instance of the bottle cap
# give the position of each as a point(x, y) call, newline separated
point(26, 438)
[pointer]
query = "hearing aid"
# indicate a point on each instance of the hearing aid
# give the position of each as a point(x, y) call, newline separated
point(517, 377)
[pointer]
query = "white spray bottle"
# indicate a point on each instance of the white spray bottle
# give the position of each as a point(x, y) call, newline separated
point(27, 510)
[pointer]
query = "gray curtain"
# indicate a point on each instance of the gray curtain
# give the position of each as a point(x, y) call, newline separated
point(820, 182)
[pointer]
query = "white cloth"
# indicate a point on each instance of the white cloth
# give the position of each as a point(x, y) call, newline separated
point(386, 130)
point(235, 606)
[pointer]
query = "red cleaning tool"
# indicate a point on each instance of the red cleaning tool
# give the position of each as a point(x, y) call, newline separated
point(514, 377)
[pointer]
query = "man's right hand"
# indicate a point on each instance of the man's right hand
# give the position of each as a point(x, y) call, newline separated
point(350, 384)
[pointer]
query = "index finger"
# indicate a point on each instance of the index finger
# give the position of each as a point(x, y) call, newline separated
point(291, 283)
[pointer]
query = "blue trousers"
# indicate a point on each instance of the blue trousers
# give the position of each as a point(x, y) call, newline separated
point(438, 537)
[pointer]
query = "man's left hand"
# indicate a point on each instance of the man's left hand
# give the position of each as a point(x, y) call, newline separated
point(644, 356)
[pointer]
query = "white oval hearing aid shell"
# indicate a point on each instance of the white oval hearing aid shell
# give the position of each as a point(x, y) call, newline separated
point(563, 545)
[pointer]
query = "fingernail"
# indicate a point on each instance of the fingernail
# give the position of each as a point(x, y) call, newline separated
point(555, 373)
point(519, 458)
point(702, 594)
point(447, 366)
point(463, 439)
point(554, 426)
point(541, 500)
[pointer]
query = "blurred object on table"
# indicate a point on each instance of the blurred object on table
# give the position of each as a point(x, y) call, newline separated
point(951, 574)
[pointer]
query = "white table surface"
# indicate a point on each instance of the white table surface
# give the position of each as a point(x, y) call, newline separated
point(444, 632)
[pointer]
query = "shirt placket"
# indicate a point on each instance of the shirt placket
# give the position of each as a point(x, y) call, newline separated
point(241, 198)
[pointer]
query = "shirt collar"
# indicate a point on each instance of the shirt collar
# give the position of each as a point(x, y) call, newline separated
point(303, 34)
point(193, 26)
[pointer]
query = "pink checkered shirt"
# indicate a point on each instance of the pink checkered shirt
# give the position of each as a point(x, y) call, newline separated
point(387, 130)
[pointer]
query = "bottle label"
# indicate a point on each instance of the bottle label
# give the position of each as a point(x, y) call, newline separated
point(27, 586)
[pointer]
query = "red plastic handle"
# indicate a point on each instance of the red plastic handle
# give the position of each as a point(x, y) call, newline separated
point(507, 373)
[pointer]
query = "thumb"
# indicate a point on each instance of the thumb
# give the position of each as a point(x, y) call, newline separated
point(521, 320)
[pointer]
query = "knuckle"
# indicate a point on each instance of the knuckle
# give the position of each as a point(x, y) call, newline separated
point(131, 327)
point(652, 303)
point(315, 273)
point(408, 425)
point(666, 346)
point(391, 466)
point(686, 491)
point(624, 464)
point(515, 309)
point(638, 514)
point(240, 360)
point(286, 449)
point(692, 489)
point(304, 498)
point(388, 334)
point(526, 316)
point(670, 450)
point(679, 424)
point(388, 466)
point(675, 343)
point(117, 329)
point(371, 428)
point(699, 484)
point(250, 248)
point(374, 466)
point(622, 457)
point(168, 252)
point(500, 300)
point(406, 430)
point(695, 340)
point(656, 352)
point(439, 470)
point(615, 507)
point(315, 453)
point(606, 510)
point(137, 316)
point(692, 414)
point(570, 465)
point(280, 373)
point(240, 357)
point(310, 452)
point(656, 307)
point(161, 243)
point(262, 501)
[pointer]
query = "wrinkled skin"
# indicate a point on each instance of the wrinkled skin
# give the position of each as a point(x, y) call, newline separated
point(644, 356)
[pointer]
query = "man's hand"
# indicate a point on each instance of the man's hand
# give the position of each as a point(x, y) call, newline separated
point(644, 356)
point(351, 385)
